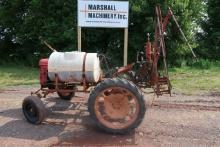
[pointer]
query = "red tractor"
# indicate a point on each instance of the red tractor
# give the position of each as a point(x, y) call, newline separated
point(116, 104)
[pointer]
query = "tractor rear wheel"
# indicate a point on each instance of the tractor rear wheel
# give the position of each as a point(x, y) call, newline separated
point(33, 109)
point(117, 106)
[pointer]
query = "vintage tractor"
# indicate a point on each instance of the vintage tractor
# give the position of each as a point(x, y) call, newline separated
point(116, 104)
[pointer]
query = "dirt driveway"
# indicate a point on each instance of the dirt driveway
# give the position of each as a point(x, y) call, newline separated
point(170, 121)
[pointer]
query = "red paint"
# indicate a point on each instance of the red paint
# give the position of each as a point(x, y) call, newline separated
point(167, 20)
point(43, 63)
point(125, 69)
point(148, 51)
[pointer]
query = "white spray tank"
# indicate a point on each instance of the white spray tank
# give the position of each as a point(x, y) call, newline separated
point(71, 66)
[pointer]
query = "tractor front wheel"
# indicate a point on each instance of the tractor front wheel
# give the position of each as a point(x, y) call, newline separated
point(117, 106)
point(33, 109)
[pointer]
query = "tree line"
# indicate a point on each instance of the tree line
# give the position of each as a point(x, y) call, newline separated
point(25, 23)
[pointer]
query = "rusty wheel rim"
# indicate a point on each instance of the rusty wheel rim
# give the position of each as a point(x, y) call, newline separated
point(116, 108)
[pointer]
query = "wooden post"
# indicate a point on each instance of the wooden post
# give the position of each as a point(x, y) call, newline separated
point(79, 31)
point(125, 46)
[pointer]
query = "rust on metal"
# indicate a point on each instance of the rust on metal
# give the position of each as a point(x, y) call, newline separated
point(85, 86)
point(116, 107)
point(148, 73)
point(124, 69)
point(148, 50)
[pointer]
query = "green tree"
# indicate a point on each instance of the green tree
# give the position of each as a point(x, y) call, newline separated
point(23, 22)
point(142, 17)
point(209, 37)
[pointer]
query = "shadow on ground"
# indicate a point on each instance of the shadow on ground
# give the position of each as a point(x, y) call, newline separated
point(69, 122)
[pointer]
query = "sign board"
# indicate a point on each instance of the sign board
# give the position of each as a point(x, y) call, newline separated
point(107, 14)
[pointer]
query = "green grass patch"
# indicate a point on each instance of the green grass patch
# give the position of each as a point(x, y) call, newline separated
point(17, 75)
point(186, 80)
point(189, 80)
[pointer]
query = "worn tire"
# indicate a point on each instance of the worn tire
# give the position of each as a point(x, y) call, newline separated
point(116, 82)
point(33, 109)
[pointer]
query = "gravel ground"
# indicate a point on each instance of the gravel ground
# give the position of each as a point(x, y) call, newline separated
point(169, 121)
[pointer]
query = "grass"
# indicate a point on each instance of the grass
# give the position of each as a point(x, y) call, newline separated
point(194, 81)
point(17, 75)
point(185, 79)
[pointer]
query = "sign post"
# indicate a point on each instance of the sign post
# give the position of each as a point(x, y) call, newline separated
point(79, 32)
point(104, 14)
point(125, 46)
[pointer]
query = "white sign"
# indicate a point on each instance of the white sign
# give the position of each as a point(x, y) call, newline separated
point(110, 14)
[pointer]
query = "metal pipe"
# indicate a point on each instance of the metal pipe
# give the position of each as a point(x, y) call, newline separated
point(181, 31)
